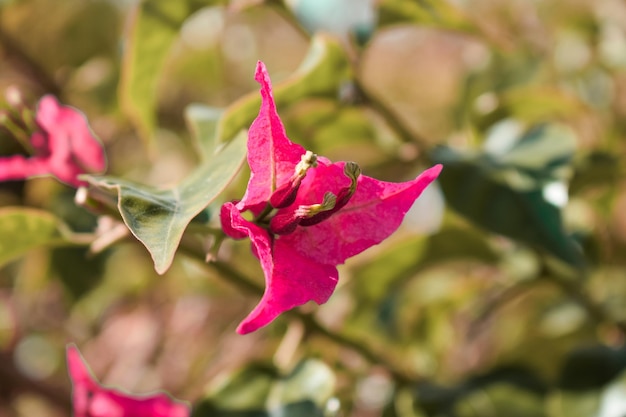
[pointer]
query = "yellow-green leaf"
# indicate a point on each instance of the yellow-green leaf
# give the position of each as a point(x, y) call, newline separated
point(158, 218)
point(23, 229)
point(153, 29)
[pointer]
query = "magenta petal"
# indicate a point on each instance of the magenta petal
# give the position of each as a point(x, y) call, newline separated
point(294, 281)
point(326, 177)
point(272, 157)
point(232, 222)
point(64, 148)
point(290, 278)
point(375, 211)
point(82, 381)
point(68, 131)
point(92, 400)
point(237, 227)
point(18, 167)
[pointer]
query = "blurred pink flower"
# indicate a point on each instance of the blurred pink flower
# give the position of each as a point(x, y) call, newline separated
point(90, 399)
point(64, 147)
point(310, 215)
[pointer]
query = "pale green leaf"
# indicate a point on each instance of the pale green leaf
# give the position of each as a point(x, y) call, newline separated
point(158, 218)
point(437, 13)
point(536, 104)
point(260, 392)
point(505, 192)
point(153, 29)
point(23, 229)
point(202, 121)
point(311, 380)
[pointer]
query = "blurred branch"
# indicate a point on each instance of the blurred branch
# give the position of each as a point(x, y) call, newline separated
point(30, 67)
point(499, 300)
point(403, 132)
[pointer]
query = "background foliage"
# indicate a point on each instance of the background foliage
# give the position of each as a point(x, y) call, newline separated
point(503, 293)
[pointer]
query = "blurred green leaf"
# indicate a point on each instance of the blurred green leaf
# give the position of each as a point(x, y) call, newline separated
point(158, 218)
point(603, 395)
point(488, 394)
point(260, 392)
point(504, 193)
point(598, 168)
point(337, 130)
point(310, 380)
point(590, 367)
point(154, 27)
point(202, 121)
point(77, 269)
point(579, 404)
point(500, 400)
point(247, 389)
point(405, 259)
point(322, 73)
point(440, 14)
point(23, 229)
point(536, 104)
point(542, 154)
point(613, 400)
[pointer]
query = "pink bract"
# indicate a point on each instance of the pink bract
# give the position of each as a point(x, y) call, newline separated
point(90, 399)
point(64, 147)
point(305, 239)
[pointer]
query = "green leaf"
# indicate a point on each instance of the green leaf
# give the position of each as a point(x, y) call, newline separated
point(23, 229)
point(77, 269)
point(438, 13)
point(260, 392)
point(154, 27)
point(405, 259)
point(592, 399)
point(247, 389)
point(310, 380)
point(543, 152)
point(486, 394)
point(591, 367)
point(599, 168)
point(505, 193)
point(158, 218)
point(323, 72)
point(202, 122)
point(535, 104)
point(501, 400)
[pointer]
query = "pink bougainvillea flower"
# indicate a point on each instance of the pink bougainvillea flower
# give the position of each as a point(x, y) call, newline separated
point(64, 147)
point(309, 215)
point(90, 399)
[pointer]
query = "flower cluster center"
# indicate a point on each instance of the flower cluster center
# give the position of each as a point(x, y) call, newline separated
point(282, 222)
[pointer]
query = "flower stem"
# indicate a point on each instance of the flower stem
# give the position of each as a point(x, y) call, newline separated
point(267, 210)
